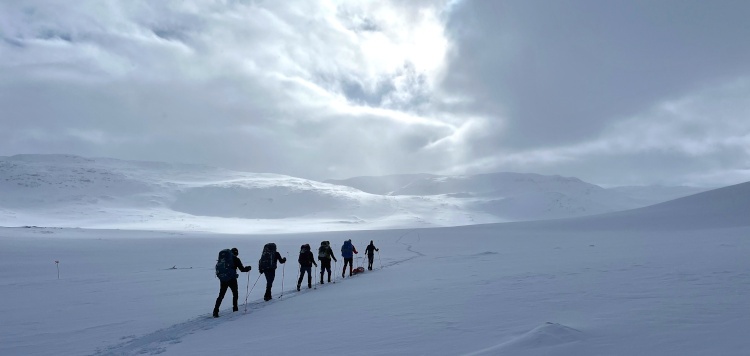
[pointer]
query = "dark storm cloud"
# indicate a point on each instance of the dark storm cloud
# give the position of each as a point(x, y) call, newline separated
point(561, 71)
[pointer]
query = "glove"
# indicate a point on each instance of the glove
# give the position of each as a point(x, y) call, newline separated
point(283, 260)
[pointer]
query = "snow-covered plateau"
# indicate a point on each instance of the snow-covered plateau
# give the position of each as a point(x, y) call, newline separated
point(665, 279)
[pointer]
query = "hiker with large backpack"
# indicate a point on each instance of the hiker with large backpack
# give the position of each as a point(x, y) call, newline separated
point(346, 252)
point(267, 266)
point(324, 256)
point(226, 271)
point(370, 251)
point(306, 260)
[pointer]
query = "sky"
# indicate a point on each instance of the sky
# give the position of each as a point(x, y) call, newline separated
point(615, 93)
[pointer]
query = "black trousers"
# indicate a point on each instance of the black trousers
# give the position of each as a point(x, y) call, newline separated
point(370, 260)
point(302, 271)
point(232, 284)
point(348, 261)
point(325, 265)
point(270, 276)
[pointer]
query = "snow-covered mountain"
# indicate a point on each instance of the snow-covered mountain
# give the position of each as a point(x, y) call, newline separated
point(381, 185)
point(718, 208)
point(522, 196)
point(72, 191)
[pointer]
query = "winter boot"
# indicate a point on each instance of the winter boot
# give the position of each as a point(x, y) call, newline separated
point(309, 285)
point(298, 287)
point(234, 308)
point(216, 312)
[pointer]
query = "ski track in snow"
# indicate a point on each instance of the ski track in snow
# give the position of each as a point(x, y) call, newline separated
point(156, 342)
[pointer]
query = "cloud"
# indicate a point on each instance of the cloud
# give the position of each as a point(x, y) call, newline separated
point(700, 139)
point(332, 89)
point(227, 76)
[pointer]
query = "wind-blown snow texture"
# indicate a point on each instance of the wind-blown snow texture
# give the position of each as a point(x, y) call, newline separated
point(72, 191)
point(615, 284)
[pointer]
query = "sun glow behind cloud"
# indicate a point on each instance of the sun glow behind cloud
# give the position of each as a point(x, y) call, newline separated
point(307, 88)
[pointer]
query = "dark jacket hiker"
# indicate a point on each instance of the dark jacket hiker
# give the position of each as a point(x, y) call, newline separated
point(370, 251)
point(325, 254)
point(306, 261)
point(267, 266)
point(226, 270)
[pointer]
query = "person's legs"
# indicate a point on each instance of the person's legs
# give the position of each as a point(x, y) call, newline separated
point(325, 265)
point(370, 259)
point(270, 276)
point(222, 292)
point(309, 276)
point(301, 275)
point(235, 293)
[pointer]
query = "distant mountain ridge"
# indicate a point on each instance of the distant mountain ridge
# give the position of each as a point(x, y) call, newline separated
point(67, 190)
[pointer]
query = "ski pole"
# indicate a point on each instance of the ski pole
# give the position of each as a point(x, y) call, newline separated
point(381, 261)
point(335, 268)
point(283, 268)
point(247, 288)
point(315, 286)
point(251, 289)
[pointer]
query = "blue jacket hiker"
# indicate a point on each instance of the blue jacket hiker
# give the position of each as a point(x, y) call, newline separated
point(347, 251)
point(226, 270)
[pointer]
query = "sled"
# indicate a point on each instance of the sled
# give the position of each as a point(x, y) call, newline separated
point(358, 270)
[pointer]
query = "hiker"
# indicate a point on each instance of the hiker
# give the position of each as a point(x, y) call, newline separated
point(370, 251)
point(324, 256)
point(346, 252)
point(306, 260)
point(226, 271)
point(267, 266)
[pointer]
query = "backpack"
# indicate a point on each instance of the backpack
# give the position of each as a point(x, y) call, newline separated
point(347, 249)
point(323, 250)
point(305, 259)
point(225, 269)
point(267, 258)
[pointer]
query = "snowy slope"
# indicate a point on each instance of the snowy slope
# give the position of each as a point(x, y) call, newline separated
point(523, 196)
point(654, 194)
point(530, 288)
point(717, 208)
point(72, 191)
point(381, 185)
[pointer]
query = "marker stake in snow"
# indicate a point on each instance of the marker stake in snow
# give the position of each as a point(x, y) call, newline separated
point(57, 263)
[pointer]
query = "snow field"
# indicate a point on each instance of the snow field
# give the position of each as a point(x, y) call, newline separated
point(482, 290)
